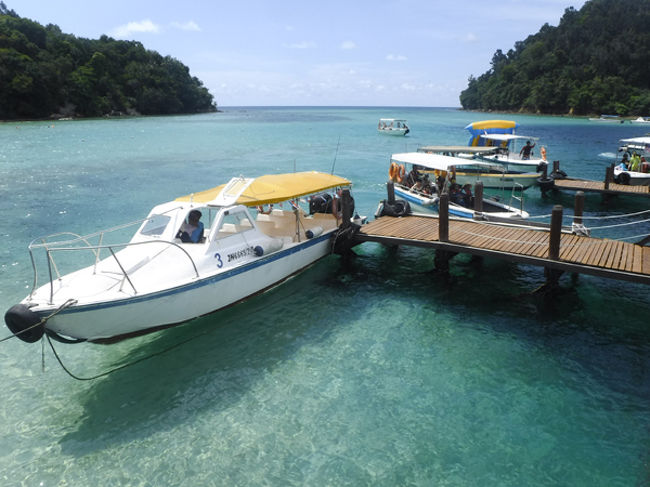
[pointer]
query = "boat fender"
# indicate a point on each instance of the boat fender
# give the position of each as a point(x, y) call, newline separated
point(314, 232)
point(624, 178)
point(21, 321)
point(398, 208)
point(268, 247)
point(545, 184)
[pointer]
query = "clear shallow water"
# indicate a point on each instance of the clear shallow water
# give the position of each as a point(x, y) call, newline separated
point(375, 372)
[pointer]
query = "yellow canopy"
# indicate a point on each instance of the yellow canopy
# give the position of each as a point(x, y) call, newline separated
point(275, 188)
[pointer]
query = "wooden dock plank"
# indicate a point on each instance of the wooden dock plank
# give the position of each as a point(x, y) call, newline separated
point(645, 265)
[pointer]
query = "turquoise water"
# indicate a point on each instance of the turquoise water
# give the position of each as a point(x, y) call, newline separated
point(376, 371)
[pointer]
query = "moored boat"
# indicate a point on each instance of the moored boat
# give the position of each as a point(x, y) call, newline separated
point(477, 166)
point(187, 258)
point(634, 167)
point(607, 118)
point(426, 176)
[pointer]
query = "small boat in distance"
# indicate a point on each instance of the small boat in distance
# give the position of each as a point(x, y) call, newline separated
point(641, 120)
point(187, 258)
point(392, 126)
point(420, 178)
point(607, 118)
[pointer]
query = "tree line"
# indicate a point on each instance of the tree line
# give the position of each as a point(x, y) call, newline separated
point(597, 60)
point(46, 73)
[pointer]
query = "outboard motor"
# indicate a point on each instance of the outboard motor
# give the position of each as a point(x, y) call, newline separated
point(320, 203)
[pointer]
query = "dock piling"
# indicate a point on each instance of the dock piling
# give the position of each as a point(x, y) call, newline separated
point(390, 188)
point(443, 214)
point(478, 196)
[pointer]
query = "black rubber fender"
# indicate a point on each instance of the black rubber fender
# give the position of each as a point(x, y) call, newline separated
point(398, 208)
point(624, 178)
point(545, 184)
point(19, 318)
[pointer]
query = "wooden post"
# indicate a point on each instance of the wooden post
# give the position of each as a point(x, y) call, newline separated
point(346, 208)
point(578, 207)
point(545, 172)
point(556, 166)
point(556, 232)
point(609, 175)
point(390, 187)
point(443, 218)
point(478, 196)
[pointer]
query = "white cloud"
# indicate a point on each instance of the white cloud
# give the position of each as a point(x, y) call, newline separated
point(348, 45)
point(302, 45)
point(190, 25)
point(396, 57)
point(471, 37)
point(146, 26)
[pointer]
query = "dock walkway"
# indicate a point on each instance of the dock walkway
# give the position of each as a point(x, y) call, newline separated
point(578, 254)
point(612, 188)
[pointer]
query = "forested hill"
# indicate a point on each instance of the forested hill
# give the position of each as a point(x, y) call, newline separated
point(597, 60)
point(46, 73)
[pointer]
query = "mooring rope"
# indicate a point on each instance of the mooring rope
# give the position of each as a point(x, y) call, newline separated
point(103, 374)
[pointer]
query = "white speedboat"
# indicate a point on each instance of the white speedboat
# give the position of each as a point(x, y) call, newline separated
point(428, 175)
point(607, 118)
point(161, 277)
point(513, 154)
point(479, 167)
point(641, 120)
point(634, 169)
point(392, 126)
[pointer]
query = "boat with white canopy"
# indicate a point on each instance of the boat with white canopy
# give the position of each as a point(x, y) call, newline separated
point(393, 126)
point(478, 166)
point(634, 167)
point(420, 178)
point(512, 152)
point(189, 257)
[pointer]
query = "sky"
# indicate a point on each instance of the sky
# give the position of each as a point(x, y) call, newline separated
point(306, 53)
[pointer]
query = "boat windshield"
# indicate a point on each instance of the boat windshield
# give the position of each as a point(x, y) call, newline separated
point(155, 225)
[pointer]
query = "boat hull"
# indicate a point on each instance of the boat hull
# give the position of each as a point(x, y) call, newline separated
point(491, 208)
point(498, 180)
point(110, 320)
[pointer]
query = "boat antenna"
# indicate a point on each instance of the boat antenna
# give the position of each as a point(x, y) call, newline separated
point(335, 154)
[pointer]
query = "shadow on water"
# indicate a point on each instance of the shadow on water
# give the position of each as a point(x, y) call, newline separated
point(233, 350)
point(598, 323)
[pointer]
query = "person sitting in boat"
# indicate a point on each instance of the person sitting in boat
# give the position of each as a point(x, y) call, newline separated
point(645, 166)
point(191, 231)
point(412, 177)
point(455, 194)
point(526, 150)
point(468, 198)
point(635, 162)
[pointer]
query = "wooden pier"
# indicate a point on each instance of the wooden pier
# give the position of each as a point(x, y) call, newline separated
point(555, 250)
point(607, 187)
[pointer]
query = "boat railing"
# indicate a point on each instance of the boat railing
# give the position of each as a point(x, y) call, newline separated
point(517, 194)
point(68, 246)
